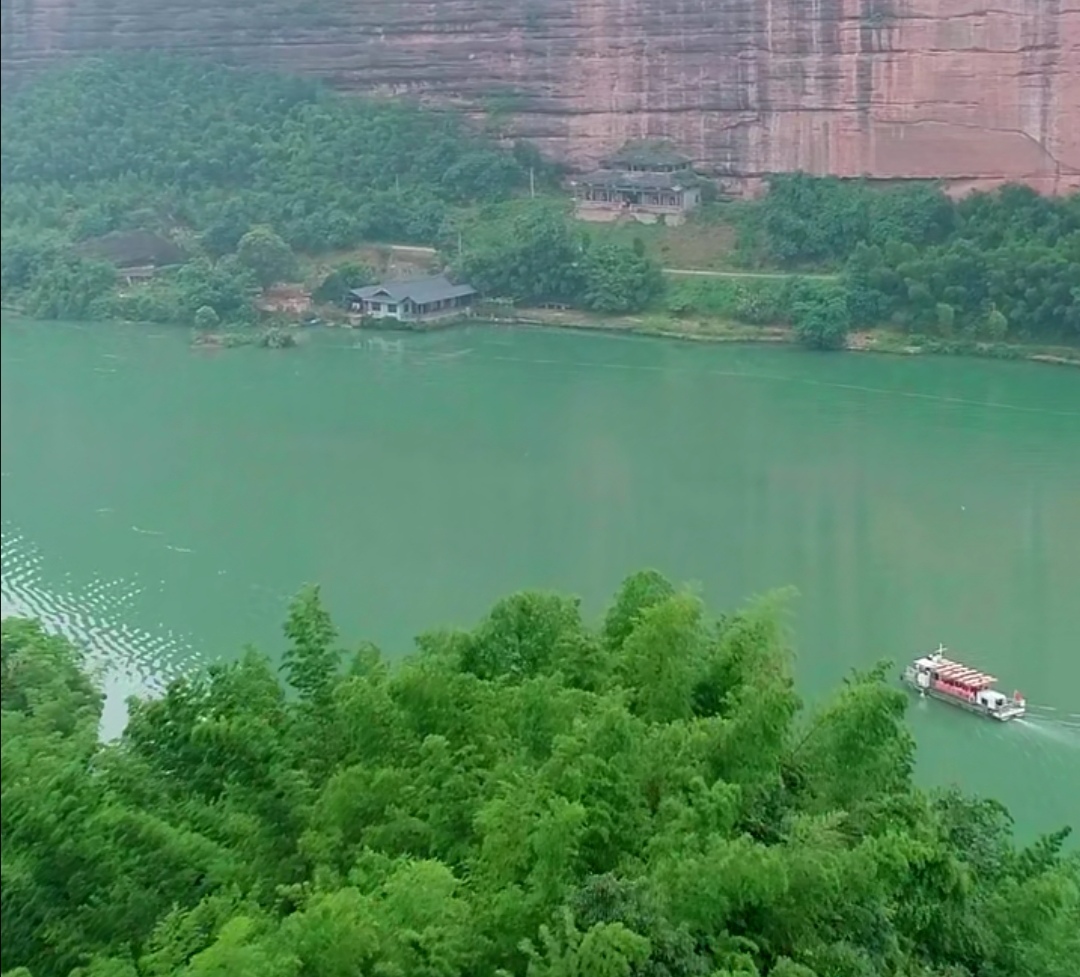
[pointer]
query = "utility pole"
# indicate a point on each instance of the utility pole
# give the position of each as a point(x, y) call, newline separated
point(532, 182)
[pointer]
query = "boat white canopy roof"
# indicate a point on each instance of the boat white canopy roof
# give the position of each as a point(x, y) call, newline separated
point(948, 670)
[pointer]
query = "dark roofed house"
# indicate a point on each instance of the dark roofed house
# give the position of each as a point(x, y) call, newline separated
point(413, 300)
point(633, 182)
point(647, 156)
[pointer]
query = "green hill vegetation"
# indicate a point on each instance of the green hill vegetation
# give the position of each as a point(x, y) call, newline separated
point(535, 796)
point(205, 156)
point(1003, 265)
point(845, 255)
point(208, 156)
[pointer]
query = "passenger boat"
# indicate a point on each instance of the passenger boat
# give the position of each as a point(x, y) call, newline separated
point(951, 681)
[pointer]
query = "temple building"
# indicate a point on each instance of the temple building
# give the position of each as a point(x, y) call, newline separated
point(643, 181)
point(647, 157)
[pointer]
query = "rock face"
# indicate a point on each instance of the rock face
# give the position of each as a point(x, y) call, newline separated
point(974, 91)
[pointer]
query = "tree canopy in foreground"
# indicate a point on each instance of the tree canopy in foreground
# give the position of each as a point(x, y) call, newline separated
point(532, 797)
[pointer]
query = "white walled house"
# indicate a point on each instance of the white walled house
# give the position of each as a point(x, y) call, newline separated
point(412, 300)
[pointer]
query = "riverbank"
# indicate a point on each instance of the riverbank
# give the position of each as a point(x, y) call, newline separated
point(709, 330)
point(691, 326)
point(690, 329)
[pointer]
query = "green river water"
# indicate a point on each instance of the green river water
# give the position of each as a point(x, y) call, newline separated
point(162, 504)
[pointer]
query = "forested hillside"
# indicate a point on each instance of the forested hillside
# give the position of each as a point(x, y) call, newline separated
point(205, 155)
point(998, 265)
point(129, 140)
point(989, 268)
point(536, 796)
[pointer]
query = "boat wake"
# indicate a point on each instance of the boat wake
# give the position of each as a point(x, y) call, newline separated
point(128, 660)
point(1064, 729)
point(1053, 713)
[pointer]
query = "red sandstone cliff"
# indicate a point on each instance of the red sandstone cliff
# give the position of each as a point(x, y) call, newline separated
point(978, 91)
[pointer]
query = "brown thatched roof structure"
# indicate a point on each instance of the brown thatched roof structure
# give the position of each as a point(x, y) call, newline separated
point(133, 249)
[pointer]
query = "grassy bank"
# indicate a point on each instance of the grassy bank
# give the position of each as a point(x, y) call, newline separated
point(714, 330)
point(699, 245)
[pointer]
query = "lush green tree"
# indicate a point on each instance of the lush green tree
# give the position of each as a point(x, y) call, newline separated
point(336, 284)
point(69, 287)
point(913, 257)
point(531, 796)
point(266, 256)
point(995, 326)
point(312, 660)
point(529, 254)
point(27, 253)
point(619, 279)
point(43, 680)
point(638, 593)
point(807, 220)
point(206, 317)
point(177, 296)
point(823, 321)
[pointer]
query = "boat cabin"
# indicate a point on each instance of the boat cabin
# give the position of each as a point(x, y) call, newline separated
point(938, 672)
point(991, 699)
